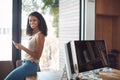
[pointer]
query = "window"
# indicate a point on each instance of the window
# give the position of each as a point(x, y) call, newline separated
point(6, 30)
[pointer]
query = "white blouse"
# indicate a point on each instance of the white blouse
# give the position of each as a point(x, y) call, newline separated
point(32, 47)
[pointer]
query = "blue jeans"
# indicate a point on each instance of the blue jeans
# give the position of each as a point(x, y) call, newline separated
point(26, 69)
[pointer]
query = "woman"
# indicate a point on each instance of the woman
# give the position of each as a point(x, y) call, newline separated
point(37, 30)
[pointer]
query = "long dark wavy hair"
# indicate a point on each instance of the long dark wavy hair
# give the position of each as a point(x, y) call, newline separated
point(41, 26)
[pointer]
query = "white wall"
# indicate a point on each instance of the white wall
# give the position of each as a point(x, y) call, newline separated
point(69, 16)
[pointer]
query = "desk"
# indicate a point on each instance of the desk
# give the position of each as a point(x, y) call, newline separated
point(56, 75)
point(114, 75)
point(49, 75)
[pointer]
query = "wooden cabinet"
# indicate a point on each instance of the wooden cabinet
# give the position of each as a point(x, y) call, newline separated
point(108, 7)
point(108, 23)
point(104, 29)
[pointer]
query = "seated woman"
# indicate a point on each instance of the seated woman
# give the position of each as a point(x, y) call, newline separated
point(37, 30)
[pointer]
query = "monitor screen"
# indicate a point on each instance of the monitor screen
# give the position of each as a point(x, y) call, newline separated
point(91, 55)
point(86, 55)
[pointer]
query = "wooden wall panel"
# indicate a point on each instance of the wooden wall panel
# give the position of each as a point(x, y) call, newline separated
point(104, 29)
point(98, 29)
point(116, 37)
point(108, 24)
point(108, 7)
point(116, 33)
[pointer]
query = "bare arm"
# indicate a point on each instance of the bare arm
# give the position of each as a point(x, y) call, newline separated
point(39, 46)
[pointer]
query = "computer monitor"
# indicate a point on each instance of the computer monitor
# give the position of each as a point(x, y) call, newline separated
point(69, 61)
point(86, 55)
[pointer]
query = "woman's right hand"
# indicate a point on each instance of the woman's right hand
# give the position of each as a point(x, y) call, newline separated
point(17, 45)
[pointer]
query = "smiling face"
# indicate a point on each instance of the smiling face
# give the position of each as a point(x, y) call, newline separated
point(33, 22)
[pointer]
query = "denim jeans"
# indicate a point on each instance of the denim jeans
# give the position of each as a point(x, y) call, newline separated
point(26, 69)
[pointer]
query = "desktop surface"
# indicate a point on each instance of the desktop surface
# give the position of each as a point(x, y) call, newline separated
point(49, 75)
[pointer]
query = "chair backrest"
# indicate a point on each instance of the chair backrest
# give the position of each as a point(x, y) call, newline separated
point(5, 68)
